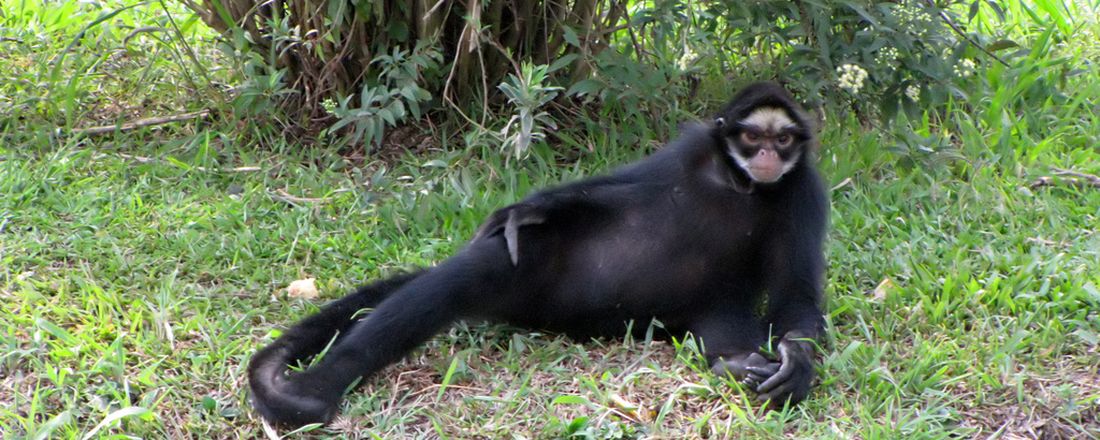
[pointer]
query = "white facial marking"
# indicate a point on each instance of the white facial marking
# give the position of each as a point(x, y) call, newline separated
point(745, 164)
point(769, 118)
point(731, 149)
point(787, 165)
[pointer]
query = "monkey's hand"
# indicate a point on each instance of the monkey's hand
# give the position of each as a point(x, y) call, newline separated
point(739, 366)
point(789, 379)
point(508, 220)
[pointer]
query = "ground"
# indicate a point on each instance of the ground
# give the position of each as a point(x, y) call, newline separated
point(140, 269)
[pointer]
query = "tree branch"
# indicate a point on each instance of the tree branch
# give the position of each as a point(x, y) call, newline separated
point(958, 30)
point(102, 129)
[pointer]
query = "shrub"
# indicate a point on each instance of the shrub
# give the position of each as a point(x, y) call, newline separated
point(364, 66)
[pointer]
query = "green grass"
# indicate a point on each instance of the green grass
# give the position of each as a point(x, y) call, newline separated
point(139, 271)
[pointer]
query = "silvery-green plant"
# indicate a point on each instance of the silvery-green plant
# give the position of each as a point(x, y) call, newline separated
point(528, 93)
point(395, 95)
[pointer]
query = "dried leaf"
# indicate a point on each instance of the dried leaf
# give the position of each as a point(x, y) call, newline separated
point(883, 287)
point(626, 408)
point(305, 289)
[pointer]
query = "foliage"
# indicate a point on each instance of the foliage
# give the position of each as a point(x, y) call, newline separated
point(395, 94)
point(528, 94)
point(878, 58)
point(333, 50)
point(58, 60)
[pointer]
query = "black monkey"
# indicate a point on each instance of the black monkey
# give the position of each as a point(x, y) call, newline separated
point(697, 236)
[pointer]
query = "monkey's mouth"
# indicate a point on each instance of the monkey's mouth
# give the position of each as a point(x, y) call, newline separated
point(765, 174)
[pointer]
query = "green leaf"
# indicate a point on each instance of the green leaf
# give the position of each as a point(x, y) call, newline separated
point(577, 424)
point(387, 116)
point(1001, 45)
point(447, 377)
point(584, 87)
point(398, 30)
point(178, 163)
point(570, 36)
point(1054, 11)
point(115, 416)
point(565, 60)
point(997, 9)
point(570, 399)
point(44, 431)
point(56, 331)
point(862, 13)
point(398, 109)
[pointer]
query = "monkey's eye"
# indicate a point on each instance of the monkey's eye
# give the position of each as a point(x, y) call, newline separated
point(784, 140)
point(750, 138)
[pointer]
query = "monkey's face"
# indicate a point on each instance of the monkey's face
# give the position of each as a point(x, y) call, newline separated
point(766, 144)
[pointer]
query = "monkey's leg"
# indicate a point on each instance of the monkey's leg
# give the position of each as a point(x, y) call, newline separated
point(457, 288)
point(308, 337)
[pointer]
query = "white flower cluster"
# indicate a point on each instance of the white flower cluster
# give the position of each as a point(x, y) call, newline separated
point(687, 58)
point(851, 78)
point(914, 19)
point(965, 68)
point(329, 105)
point(912, 92)
point(887, 56)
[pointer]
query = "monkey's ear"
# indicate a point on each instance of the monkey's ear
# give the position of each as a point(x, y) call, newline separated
point(719, 122)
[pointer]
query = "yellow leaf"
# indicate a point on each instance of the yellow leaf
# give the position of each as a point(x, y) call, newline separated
point(305, 289)
point(883, 287)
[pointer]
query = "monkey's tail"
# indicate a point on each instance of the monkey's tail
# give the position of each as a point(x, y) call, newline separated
point(268, 368)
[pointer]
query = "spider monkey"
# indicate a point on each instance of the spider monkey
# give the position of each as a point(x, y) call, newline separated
point(717, 235)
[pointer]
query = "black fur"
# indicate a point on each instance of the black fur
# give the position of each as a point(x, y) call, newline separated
point(677, 237)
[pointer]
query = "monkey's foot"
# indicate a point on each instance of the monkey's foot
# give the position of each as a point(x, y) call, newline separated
point(288, 403)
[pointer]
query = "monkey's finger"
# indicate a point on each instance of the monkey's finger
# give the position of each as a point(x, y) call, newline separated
point(766, 370)
point(751, 383)
point(786, 371)
point(777, 395)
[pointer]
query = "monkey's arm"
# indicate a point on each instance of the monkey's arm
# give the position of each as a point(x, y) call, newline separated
point(792, 377)
point(578, 202)
point(795, 280)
